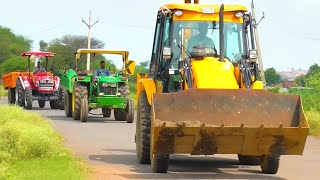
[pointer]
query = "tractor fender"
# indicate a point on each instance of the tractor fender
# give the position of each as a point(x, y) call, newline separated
point(148, 85)
point(25, 81)
point(57, 82)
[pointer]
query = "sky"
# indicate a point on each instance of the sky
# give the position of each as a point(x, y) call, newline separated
point(289, 34)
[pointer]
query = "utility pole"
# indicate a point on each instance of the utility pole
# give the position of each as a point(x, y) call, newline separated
point(255, 26)
point(89, 25)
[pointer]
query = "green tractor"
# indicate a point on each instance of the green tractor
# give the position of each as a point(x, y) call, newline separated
point(84, 90)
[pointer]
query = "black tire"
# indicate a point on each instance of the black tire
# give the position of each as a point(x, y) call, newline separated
point(11, 96)
point(84, 110)
point(106, 112)
point(160, 163)
point(54, 104)
point(28, 101)
point(119, 114)
point(124, 90)
point(80, 93)
point(270, 164)
point(61, 97)
point(129, 111)
point(249, 160)
point(67, 104)
point(42, 103)
point(21, 94)
point(143, 124)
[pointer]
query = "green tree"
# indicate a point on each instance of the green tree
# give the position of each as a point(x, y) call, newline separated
point(11, 46)
point(313, 69)
point(272, 77)
point(143, 67)
point(301, 80)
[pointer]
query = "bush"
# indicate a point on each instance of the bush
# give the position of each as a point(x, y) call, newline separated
point(313, 118)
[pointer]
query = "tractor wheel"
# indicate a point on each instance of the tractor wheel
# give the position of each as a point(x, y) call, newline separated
point(11, 96)
point(160, 163)
point(119, 114)
point(129, 111)
point(28, 100)
point(106, 112)
point(143, 124)
point(249, 160)
point(55, 104)
point(67, 103)
point(270, 164)
point(21, 94)
point(41, 103)
point(80, 92)
point(61, 97)
point(84, 110)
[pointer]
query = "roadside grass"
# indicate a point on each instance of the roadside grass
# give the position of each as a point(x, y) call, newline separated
point(31, 149)
point(2, 91)
point(313, 118)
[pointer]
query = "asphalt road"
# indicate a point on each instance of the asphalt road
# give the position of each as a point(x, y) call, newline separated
point(109, 147)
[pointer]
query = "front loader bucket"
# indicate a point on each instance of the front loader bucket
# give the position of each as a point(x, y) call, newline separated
point(247, 122)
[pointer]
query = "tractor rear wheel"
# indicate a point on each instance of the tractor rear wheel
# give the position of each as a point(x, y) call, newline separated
point(67, 103)
point(270, 164)
point(106, 112)
point(61, 98)
point(249, 160)
point(54, 104)
point(21, 95)
point(80, 92)
point(143, 124)
point(11, 96)
point(41, 103)
point(28, 100)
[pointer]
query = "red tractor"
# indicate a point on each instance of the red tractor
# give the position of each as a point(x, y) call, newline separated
point(25, 87)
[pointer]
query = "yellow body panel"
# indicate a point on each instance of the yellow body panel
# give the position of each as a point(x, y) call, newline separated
point(145, 84)
point(213, 74)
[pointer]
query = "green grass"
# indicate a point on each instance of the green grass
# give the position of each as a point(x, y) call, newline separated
point(30, 148)
point(313, 118)
point(2, 91)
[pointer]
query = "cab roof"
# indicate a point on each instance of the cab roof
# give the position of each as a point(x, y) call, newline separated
point(38, 54)
point(200, 7)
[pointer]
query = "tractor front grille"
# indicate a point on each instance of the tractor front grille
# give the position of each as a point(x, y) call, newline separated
point(108, 88)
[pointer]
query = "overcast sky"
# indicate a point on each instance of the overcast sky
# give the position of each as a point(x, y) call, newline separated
point(289, 36)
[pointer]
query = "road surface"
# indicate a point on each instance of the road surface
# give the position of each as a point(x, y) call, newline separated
point(109, 147)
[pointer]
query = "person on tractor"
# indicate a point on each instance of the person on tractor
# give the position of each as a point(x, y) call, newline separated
point(201, 38)
point(38, 68)
point(102, 71)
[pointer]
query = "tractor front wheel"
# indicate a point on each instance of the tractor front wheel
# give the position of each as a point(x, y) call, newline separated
point(54, 104)
point(106, 112)
point(129, 111)
point(61, 98)
point(41, 103)
point(84, 110)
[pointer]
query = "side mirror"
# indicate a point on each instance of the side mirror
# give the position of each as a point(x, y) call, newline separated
point(129, 67)
point(166, 53)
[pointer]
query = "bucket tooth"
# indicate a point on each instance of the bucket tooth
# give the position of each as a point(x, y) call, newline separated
point(281, 126)
point(242, 125)
point(262, 125)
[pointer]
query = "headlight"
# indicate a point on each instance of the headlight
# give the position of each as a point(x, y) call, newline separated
point(178, 13)
point(239, 14)
point(42, 81)
point(50, 81)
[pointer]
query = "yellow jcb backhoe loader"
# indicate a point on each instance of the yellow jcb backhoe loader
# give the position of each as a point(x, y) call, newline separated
point(203, 94)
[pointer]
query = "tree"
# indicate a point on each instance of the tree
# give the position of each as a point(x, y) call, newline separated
point(43, 45)
point(301, 80)
point(143, 67)
point(66, 46)
point(11, 46)
point(272, 77)
point(313, 69)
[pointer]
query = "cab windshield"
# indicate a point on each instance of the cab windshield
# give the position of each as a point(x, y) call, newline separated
point(189, 36)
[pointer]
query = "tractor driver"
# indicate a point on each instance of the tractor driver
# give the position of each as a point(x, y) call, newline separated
point(102, 71)
point(201, 38)
point(38, 68)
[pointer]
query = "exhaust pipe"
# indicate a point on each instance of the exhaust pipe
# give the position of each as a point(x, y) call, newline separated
point(221, 35)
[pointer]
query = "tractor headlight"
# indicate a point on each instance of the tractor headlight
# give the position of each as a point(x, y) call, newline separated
point(109, 85)
point(42, 81)
point(239, 14)
point(50, 81)
point(178, 13)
